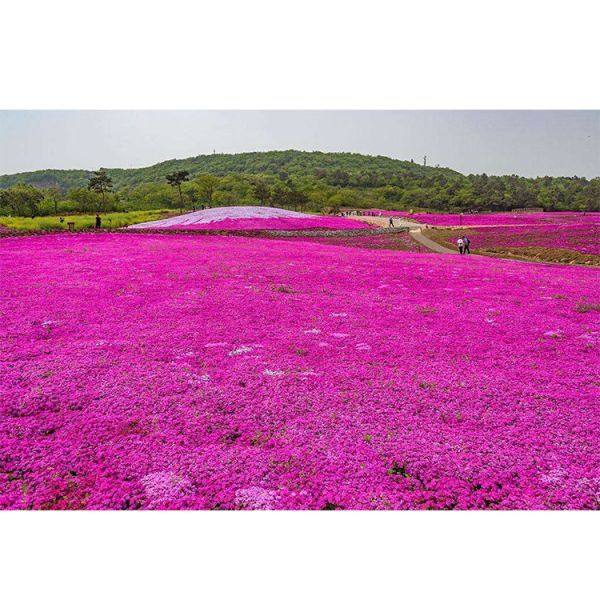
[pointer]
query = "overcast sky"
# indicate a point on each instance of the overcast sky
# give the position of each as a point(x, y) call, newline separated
point(528, 143)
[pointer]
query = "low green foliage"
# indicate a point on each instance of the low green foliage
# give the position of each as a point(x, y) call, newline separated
point(586, 307)
point(109, 220)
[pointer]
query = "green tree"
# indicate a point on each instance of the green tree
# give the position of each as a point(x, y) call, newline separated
point(261, 191)
point(339, 178)
point(279, 195)
point(84, 199)
point(21, 200)
point(192, 193)
point(175, 180)
point(207, 185)
point(296, 198)
point(54, 196)
point(100, 183)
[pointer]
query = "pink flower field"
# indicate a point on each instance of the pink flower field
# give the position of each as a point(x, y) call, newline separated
point(583, 238)
point(209, 372)
point(501, 218)
point(396, 241)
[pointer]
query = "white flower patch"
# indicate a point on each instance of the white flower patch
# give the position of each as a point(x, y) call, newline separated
point(241, 350)
point(338, 315)
point(553, 334)
point(589, 486)
point(590, 338)
point(199, 379)
point(272, 373)
point(256, 498)
point(216, 345)
point(48, 322)
point(363, 346)
point(213, 215)
point(165, 486)
point(554, 476)
point(315, 331)
point(340, 335)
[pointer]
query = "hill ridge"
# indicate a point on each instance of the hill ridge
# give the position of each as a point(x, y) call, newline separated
point(272, 162)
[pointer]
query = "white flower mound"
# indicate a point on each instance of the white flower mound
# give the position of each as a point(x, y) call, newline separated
point(212, 215)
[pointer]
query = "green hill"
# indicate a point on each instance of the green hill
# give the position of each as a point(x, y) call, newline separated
point(314, 180)
point(375, 170)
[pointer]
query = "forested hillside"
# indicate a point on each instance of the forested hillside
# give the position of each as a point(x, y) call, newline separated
point(364, 170)
point(314, 181)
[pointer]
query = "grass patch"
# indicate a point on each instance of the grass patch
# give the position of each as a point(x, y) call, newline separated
point(585, 307)
point(109, 220)
point(283, 289)
point(552, 255)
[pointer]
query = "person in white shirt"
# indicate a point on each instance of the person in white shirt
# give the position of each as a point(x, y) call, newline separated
point(461, 244)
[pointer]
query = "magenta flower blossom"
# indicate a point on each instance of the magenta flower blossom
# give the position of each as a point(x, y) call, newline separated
point(583, 238)
point(501, 218)
point(209, 372)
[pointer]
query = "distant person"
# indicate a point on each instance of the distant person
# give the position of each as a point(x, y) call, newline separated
point(467, 244)
point(98, 222)
point(461, 245)
point(391, 222)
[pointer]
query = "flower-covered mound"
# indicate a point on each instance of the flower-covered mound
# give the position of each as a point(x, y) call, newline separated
point(246, 218)
point(216, 372)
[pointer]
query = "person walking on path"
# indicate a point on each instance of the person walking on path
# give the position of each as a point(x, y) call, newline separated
point(98, 222)
point(467, 245)
point(461, 245)
point(391, 221)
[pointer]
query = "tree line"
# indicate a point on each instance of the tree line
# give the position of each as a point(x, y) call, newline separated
point(316, 182)
point(178, 192)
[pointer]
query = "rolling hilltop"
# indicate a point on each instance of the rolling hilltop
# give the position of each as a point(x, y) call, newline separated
point(376, 170)
point(317, 181)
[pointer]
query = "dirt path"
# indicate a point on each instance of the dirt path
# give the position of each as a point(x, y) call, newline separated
point(385, 221)
point(414, 231)
point(425, 241)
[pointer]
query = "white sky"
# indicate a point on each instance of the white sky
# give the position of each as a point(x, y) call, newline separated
point(528, 143)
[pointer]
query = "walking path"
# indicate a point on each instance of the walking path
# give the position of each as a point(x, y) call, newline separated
point(414, 231)
point(425, 241)
point(385, 221)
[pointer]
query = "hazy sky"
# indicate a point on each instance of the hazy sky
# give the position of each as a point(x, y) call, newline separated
point(527, 143)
